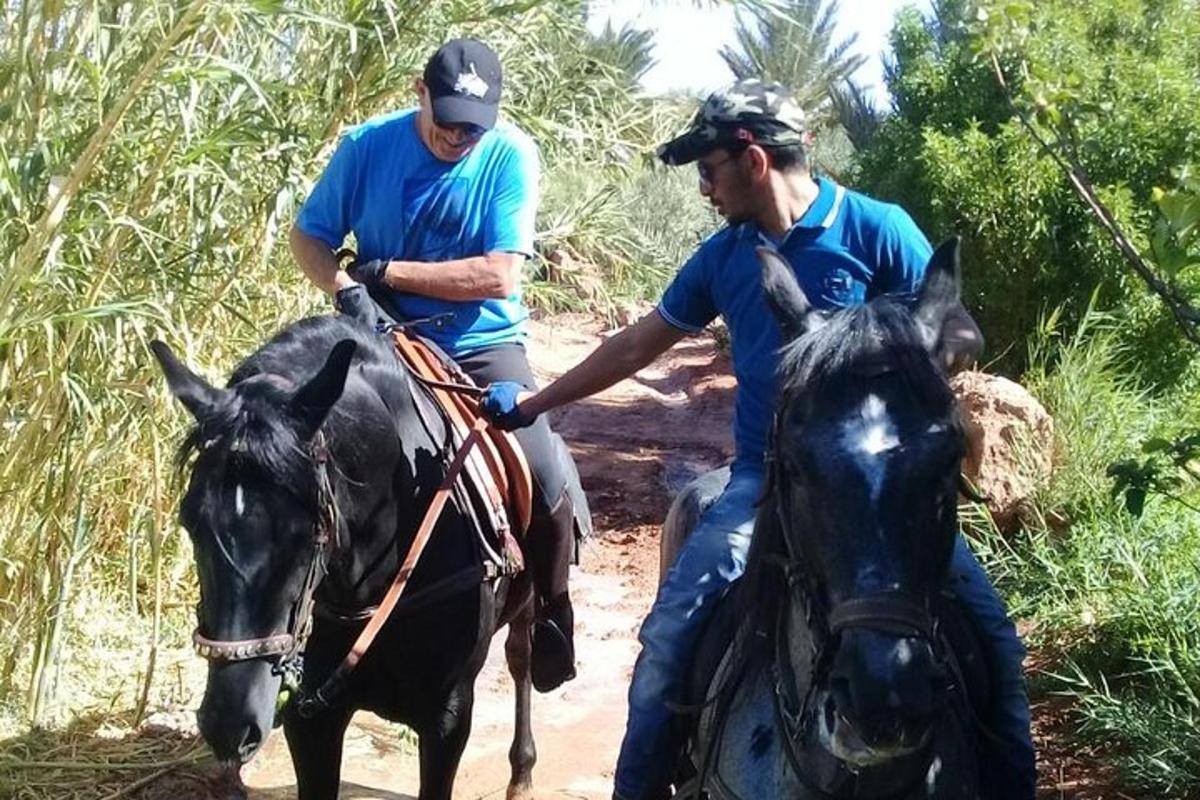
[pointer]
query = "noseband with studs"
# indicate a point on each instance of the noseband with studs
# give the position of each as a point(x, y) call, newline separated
point(287, 646)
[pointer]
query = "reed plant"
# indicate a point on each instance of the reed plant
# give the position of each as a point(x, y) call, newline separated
point(152, 155)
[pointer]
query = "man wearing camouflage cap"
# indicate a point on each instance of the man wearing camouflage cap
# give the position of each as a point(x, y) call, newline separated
point(749, 146)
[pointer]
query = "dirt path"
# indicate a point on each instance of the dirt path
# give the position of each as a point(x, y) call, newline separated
point(635, 445)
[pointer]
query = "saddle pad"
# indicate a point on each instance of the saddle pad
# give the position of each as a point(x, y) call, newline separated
point(497, 468)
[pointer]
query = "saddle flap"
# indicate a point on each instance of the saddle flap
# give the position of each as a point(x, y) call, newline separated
point(497, 470)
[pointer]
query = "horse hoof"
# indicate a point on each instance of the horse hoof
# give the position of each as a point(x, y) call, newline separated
point(519, 792)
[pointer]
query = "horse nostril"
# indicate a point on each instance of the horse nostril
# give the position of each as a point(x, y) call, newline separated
point(839, 690)
point(251, 739)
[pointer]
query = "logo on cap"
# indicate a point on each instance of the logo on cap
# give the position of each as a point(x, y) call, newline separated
point(470, 83)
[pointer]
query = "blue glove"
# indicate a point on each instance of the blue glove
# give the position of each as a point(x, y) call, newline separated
point(370, 272)
point(499, 405)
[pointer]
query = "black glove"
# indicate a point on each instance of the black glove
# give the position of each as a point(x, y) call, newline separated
point(368, 272)
point(354, 302)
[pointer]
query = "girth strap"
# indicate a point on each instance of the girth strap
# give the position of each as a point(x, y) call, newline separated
point(437, 591)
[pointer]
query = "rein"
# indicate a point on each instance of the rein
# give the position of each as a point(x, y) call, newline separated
point(287, 646)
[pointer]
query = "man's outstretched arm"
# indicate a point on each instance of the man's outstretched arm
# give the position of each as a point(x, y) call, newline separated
point(616, 359)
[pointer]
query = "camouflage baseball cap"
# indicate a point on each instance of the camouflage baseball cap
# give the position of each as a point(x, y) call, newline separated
point(748, 112)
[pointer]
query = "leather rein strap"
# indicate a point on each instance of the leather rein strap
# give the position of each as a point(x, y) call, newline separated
point(311, 704)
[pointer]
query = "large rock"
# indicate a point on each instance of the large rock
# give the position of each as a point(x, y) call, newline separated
point(1010, 443)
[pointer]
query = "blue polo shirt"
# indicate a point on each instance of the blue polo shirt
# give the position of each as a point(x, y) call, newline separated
point(402, 203)
point(845, 250)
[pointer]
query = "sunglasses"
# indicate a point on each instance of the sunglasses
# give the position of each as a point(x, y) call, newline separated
point(708, 171)
point(467, 130)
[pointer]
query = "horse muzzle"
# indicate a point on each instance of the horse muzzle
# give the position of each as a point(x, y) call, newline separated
point(882, 697)
point(238, 708)
point(859, 748)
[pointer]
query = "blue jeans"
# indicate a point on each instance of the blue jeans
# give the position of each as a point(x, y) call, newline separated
point(712, 558)
point(1007, 763)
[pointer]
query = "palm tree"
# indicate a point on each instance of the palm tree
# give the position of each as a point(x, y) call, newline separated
point(629, 50)
point(794, 45)
point(858, 115)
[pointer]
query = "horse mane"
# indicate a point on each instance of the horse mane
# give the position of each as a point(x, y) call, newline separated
point(851, 341)
point(249, 429)
point(851, 346)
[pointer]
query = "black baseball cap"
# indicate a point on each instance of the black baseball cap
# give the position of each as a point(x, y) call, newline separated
point(464, 80)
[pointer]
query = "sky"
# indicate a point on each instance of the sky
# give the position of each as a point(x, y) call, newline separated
point(688, 38)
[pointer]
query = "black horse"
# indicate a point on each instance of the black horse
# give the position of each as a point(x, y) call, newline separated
point(318, 461)
point(839, 682)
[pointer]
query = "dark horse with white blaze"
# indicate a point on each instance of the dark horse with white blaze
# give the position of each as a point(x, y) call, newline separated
point(839, 682)
point(310, 474)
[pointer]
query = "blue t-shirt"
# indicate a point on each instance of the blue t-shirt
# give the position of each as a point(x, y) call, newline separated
point(845, 250)
point(402, 203)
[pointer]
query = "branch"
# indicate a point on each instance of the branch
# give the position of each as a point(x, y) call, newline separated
point(1185, 314)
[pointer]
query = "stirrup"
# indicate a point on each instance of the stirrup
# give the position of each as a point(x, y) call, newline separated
point(553, 660)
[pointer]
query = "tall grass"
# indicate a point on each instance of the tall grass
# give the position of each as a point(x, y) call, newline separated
point(151, 157)
point(1115, 598)
point(618, 232)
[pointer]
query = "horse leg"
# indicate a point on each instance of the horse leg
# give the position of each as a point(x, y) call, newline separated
point(316, 748)
point(442, 741)
point(523, 754)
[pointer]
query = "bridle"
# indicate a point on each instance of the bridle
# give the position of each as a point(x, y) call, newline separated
point(288, 646)
point(896, 612)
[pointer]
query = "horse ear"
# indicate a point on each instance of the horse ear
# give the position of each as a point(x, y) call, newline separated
point(940, 292)
point(314, 399)
point(785, 297)
point(197, 395)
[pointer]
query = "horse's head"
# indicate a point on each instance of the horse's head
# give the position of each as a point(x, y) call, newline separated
point(865, 468)
point(259, 512)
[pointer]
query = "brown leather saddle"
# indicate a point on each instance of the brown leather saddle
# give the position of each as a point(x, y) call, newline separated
point(496, 477)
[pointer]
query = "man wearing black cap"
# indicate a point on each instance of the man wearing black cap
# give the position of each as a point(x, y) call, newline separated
point(749, 146)
point(441, 200)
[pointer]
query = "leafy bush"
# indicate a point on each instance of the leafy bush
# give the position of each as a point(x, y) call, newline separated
point(616, 234)
point(955, 155)
point(1115, 597)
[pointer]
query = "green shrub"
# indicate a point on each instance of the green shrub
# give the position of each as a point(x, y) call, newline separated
point(1115, 598)
point(615, 234)
point(957, 158)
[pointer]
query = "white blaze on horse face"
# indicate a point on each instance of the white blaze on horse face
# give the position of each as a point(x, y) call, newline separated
point(903, 653)
point(868, 433)
point(873, 432)
point(931, 777)
point(239, 501)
